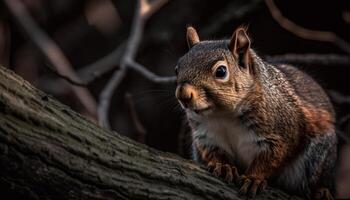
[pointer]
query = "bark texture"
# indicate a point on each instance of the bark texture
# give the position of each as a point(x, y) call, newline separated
point(47, 151)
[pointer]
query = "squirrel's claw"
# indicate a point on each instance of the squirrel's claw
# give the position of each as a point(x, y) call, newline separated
point(227, 172)
point(251, 186)
point(231, 173)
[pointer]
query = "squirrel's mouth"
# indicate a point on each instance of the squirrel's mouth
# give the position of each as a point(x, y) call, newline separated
point(202, 110)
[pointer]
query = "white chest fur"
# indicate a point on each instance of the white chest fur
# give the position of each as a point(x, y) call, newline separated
point(229, 135)
point(242, 144)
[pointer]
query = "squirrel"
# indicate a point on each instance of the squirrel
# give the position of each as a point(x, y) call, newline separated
point(255, 123)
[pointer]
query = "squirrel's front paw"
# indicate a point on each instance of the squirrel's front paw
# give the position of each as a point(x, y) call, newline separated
point(251, 186)
point(228, 172)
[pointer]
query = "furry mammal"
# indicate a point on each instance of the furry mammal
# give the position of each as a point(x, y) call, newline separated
point(269, 123)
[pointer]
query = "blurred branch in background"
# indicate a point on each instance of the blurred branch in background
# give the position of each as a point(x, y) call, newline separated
point(311, 59)
point(109, 62)
point(52, 53)
point(102, 66)
point(150, 75)
point(323, 36)
point(144, 10)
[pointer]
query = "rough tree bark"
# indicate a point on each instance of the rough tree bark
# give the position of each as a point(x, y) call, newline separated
point(47, 151)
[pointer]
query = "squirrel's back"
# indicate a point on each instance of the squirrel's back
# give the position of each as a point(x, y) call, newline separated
point(317, 123)
point(306, 88)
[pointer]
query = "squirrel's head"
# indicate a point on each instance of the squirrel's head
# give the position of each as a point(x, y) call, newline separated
point(215, 75)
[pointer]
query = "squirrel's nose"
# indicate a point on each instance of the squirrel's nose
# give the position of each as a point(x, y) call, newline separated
point(185, 94)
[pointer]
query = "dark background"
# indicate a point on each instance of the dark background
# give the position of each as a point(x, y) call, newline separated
point(70, 23)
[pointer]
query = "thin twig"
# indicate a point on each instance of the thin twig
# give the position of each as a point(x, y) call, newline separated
point(109, 62)
point(106, 97)
point(144, 10)
point(311, 59)
point(102, 66)
point(107, 93)
point(66, 78)
point(141, 132)
point(150, 75)
point(51, 51)
point(324, 36)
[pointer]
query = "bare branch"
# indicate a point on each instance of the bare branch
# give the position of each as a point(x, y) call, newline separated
point(324, 36)
point(150, 75)
point(102, 66)
point(106, 96)
point(52, 52)
point(144, 10)
point(109, 62)
point(311, 59)
point(66, 78)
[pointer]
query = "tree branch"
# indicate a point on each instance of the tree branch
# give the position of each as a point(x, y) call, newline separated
point(102, 66)
point(150, 75)
point(109, 62)
point(50, 152)
point(144, 10)
point(324, 36)
point(311, 59)
point(52, 52)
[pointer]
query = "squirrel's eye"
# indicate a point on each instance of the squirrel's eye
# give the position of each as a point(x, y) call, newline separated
point(221, 72)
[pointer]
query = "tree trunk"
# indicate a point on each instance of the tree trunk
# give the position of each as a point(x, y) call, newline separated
point(47, 151)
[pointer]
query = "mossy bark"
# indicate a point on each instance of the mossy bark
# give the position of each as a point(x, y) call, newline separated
point(47, 151)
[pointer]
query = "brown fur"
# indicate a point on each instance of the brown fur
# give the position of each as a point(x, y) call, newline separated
point(287, 115)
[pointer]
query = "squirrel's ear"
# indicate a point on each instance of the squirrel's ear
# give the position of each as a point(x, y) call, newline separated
point(239, 46)
point(192, 37)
